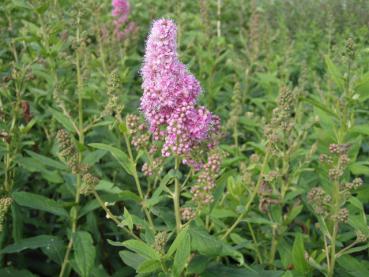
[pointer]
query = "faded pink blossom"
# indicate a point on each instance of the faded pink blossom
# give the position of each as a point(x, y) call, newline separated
point(121, 11)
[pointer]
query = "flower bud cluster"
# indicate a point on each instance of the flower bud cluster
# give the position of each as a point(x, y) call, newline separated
point(160, 240)
point(266, 196)
point(279, 129)
point(138, 131)
point(113, 107)
point(319, 200)
point(187, 213)
point(354, 185)
point(338, 153)
point(350, 48)
point(68, 151)
point(202, 191)
point(361, 237)
point(149, 169)
point(343, 215)
point(236, 107)
point(5, 203)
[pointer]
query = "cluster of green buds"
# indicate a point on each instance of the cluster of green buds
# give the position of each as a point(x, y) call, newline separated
point(113, 107)
point(266, 195)
point(187, 213)
point(69, 153)
point(279, 129)
point(236, 107)
point(5, 203)
point(320, 201)
point(337, 161)
point(138, 131)
point(161, 239)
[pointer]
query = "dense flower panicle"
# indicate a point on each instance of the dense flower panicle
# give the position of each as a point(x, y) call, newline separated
point(170, 94)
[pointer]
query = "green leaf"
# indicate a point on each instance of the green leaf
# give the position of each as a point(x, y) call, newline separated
point(39, 202)
point(31, 243)
point(142, 249)
point(12, 272)
point(182, 254)
point(208, 245)
point(334, 73)
point(178, 240)
point(295, 211)
point(204, 243)
point(362, 87)
point(63, 120)
point(298, 254)
point(46, 161)
point(131, 259)
point(360, 168)
point(352, 266)
point(220, 270)
point(107, 186)
point(128, 219)
point(118, 154)
point(84, 253)
point(149, 266)
point(362, 129)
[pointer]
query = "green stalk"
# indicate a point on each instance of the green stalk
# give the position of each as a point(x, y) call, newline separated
point(74, 215)
point(255, 242)
point(138, 183)
point(177, 193)
point(252, 197)
point(113, 217)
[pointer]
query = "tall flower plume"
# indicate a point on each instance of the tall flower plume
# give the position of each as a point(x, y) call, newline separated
point(170, 94)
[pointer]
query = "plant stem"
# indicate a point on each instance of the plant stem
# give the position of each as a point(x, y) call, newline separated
point(273, 248)
point(177, 193)
point(252, 197)
point(74, 215)
point(137, 182)
point(255, 242)
point(113, 217)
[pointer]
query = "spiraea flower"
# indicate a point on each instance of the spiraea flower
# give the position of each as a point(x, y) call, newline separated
point(170, 95)
point(121, 11)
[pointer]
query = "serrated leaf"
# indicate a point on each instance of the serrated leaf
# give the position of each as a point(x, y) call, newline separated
point(362, 87)
point(178, 240)
point(334, 73)
point(142, 249)
point(31, 243)
point(131, 259)
point(118, 154)
point(12, 272)
point(46, 161)
point(39, 202)
point(182, 254)
point(84, 252)
point(298, 254)
point(128, 219)
point(63, 120)
point(352, 266)
point(149, 266)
